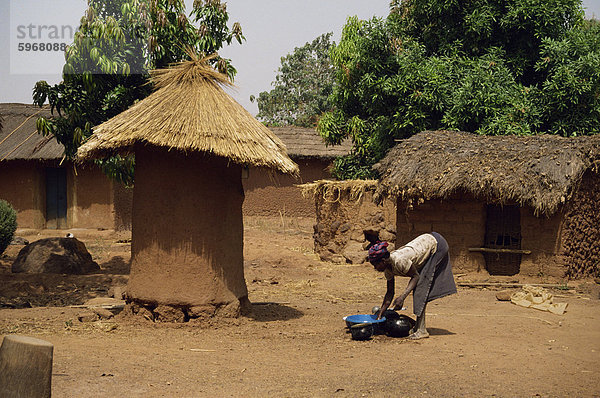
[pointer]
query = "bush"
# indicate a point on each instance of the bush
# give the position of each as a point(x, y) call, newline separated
point(8, 224)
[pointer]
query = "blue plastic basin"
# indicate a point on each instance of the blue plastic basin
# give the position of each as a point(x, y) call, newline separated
point(362, 318)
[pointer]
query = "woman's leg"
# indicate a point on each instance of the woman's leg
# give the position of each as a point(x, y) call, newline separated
point(419, 331)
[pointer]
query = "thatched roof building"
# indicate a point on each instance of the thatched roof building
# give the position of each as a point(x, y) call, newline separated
point(278, 195)
point(527, 204)
point(306, 143)
point(44, 188)
point(190, 112)
point(191, 141)
point(541, 172)
point(19, 139)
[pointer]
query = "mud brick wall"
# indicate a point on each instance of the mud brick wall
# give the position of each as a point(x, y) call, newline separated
point(542, 236)
point(460, 220)
point(339, 231)
point(581, 229)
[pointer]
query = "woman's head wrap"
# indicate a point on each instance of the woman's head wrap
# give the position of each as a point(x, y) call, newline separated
point(378, 252)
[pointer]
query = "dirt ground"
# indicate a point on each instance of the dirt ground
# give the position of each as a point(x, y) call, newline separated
point(295, 343)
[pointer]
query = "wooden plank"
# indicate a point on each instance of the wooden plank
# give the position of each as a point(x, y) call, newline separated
point(488, 250)
point(508, 284)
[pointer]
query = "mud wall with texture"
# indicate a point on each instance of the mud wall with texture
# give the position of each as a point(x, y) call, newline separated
point(90, 199)
point(276, 195)
point(22, 185)
point(542, 236)
point(581, 229)
point(187, 235)
point(339, 233)
point(460, 220)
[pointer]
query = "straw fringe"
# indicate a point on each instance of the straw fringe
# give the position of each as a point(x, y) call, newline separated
point(190, 112)
point(333, 191)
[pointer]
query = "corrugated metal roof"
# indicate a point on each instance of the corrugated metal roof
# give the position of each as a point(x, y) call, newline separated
point(19, 139)
point(307, 143)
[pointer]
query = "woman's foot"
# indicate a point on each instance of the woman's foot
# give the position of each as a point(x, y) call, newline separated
point(419, 334)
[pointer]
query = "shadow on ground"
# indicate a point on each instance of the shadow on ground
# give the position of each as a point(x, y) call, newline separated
point(268, 312)
point(116, 265)
point(439, 332)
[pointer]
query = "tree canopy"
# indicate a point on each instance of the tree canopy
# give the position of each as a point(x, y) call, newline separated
point(488, 67)
point(106, 68)
point(302, 86)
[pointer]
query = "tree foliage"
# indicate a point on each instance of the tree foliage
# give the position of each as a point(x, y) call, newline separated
point(489, 67)
point(302, 86)
point(8, 224)
point(106, 68)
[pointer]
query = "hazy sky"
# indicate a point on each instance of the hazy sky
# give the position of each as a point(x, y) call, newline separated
point(273, 28)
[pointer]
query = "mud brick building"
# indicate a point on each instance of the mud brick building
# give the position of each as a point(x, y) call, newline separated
point(48, 191)
point(506, 204)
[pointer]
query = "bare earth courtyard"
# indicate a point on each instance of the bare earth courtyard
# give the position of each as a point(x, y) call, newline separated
point(295, 343)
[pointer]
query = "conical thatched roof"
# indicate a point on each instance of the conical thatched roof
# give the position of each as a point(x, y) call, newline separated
point(190, 111)
point(537, 171)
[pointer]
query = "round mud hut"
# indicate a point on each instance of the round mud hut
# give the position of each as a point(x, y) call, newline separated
point(191, 142)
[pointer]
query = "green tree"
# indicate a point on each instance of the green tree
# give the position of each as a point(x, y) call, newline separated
point(302, 86)
point(8, 224)
point(106, 68)
point(488, 67)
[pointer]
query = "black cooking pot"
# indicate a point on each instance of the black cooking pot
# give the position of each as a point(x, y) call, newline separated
point(362, 331)
point(398, 327)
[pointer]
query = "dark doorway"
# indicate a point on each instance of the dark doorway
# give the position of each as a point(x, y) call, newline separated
point(56, 198)
point(503, 231)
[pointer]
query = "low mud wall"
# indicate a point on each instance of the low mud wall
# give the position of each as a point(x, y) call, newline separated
point(345, 213)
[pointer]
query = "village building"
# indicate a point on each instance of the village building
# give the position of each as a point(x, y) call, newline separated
point(269, 194)
point(506, 204)
point(192, 142)
point(48, 191)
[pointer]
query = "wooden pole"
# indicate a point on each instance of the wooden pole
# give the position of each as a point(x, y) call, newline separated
point(25, 367)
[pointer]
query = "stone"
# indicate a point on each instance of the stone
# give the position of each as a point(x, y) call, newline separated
point(354, 253)
point(17, 240)
point(387, 236)
point(231, 310)
point(87, 316)
point(167, 313)
point(338, 259)
point(357, 235)
point(345, 227)
point(503, 295)
point(103, 313)
point(118, 292)
point(55, 256)
point(201, 311)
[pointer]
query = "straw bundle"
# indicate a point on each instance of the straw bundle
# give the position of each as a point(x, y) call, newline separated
point(190, 111)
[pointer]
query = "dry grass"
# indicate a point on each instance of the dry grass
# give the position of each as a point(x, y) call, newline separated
point(333, 191)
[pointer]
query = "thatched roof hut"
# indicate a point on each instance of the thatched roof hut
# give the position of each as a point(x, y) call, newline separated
point(190, 112)
point(191, 141)
point(541, 171)
point(528, 204)
point(306, 143)
point(19, 139)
